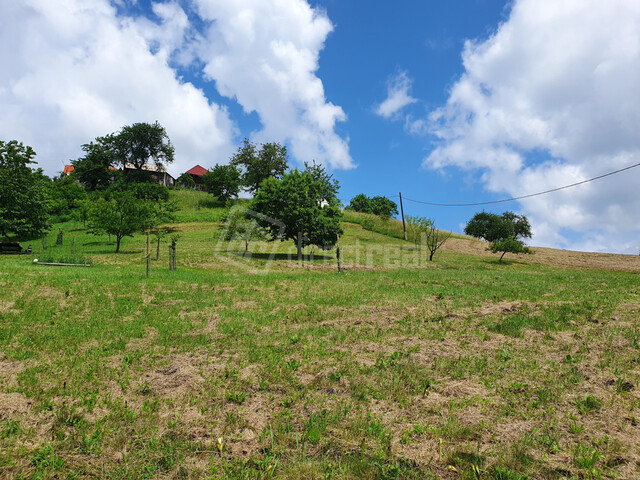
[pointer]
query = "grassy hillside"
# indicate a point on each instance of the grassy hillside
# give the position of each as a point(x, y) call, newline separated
point(270, 367)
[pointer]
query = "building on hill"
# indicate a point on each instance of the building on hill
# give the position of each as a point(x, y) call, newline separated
point(158, 173)
point(196, 173)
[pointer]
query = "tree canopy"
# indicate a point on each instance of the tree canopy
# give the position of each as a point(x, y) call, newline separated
point(240, 225)
point(64, 195)
point(186, 180)
point(270, 161)
point(140, 144)
point(95, 170)
point(125, 209)
point(223, 181)
point(381, 206)
point(299, 207)
point(504, 232)
point(23, 199)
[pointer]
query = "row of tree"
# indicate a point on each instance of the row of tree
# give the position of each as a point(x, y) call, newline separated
point(247, 169)
point(296, 205)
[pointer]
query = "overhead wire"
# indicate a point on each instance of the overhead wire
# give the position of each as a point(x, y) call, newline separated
point(475, 204)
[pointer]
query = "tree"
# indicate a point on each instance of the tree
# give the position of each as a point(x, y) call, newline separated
point(239, 225)
point(139, 144)
point(81, 212)
point(160, 233)
point(65, 195)
point(434, 239)
point(125, 209)
point(502, 231)
point(381, 206)
point(186, 180)
point(120, 215)
point(95, 170)
point(23, 199)
point(223, 181)
point(330, 186)
point(360, 203)
point(294, 209)
point(268, 162)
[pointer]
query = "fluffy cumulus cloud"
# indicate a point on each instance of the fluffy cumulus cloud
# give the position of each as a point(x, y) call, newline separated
point(398, 96)
point(265, 55)
point(551, 99)
point(79, 69)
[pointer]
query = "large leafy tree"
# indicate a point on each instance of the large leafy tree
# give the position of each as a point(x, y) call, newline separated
point(23, 199)
point(95, 169)
point(223, 181)
point(270, 161)
point(140, 144)
point(299, 207)
point(504, 232)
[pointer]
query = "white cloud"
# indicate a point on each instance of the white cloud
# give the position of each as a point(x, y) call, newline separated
point(551, 99)
point(398, 97)
point(265, 55)
point(79, 69)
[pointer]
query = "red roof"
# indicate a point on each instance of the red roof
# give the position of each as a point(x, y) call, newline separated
point(197, 170)
point(70, 168)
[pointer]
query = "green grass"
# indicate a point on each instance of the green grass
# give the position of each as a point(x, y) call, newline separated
point(234, 367)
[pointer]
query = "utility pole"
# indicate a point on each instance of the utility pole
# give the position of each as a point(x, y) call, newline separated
point(404, 227)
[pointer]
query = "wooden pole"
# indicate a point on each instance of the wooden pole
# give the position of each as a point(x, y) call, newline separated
point(404, 227)
point(338, 254)
point(147, 253)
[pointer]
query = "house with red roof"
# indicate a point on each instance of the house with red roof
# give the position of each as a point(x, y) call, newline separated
point(196, 173)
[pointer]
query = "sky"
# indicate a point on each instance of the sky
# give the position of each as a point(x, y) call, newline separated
point(464, 101)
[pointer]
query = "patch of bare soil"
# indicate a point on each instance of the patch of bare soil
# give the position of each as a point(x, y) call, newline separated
point(13, 404)
point(175, 379)
point(7, 307)
point(9, 372)
point(553, 257)
point(500, 308)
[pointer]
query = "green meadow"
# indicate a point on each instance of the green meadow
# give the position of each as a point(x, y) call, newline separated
point(266, 366)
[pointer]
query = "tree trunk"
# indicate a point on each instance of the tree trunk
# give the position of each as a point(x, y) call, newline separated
point(158, 250)
point(118, 238)
point(246, 245)
point(503, 254)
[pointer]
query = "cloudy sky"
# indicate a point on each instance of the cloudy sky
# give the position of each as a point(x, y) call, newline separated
point(464, 101)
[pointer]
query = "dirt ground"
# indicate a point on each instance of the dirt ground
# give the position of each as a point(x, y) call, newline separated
point(550, 256)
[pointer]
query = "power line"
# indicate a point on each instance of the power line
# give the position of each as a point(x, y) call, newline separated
point(522, 196)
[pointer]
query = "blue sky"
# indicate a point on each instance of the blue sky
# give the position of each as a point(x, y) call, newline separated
point(449, 102)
